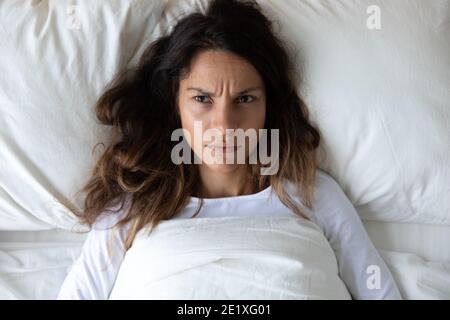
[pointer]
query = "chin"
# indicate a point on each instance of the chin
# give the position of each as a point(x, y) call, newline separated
point(223, 168)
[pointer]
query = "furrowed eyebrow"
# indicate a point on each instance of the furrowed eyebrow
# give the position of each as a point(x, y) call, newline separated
point(212, 95)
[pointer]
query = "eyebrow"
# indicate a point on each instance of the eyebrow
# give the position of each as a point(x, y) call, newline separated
point(212, 95)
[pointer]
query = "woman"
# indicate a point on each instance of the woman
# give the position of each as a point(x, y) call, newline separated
point(224, 69)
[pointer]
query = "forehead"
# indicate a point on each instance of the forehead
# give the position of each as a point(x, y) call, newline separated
point(214, 65)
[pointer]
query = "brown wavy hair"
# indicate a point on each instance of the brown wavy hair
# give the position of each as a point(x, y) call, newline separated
point(140, 106)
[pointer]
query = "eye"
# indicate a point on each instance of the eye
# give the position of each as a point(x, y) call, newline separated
point(200, 99)
point(246, 99)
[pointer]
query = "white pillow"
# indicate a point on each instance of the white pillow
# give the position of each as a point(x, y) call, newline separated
point(381, 99)
point(56, 58)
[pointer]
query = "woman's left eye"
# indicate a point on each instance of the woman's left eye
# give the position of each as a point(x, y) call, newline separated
point(246, 99)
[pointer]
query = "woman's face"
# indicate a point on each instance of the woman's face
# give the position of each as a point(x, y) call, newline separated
point(222, 91)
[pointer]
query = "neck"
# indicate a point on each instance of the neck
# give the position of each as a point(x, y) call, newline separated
point(226, 184)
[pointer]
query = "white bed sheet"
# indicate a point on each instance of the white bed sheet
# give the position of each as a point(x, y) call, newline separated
point(418, 256)
point(33, 264)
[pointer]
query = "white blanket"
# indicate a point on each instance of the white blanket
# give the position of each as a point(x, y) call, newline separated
point(230, 258)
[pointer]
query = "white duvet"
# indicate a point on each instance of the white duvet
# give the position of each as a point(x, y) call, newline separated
point(230, 258)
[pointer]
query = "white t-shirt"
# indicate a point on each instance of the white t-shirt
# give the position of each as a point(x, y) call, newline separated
point(333, 213)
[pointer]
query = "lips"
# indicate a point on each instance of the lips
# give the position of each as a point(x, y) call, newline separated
point(227, 148)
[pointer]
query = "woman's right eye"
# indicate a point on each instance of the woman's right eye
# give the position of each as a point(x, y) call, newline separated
point(201, 99)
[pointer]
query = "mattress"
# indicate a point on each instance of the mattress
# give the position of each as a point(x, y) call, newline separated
point(33, 264)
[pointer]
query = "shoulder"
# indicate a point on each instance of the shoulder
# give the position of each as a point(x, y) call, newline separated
point(104, 235)
point(326, 188)
point(113, 214)
point(329, 199)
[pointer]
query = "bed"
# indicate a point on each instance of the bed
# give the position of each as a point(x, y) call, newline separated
point(376, 81)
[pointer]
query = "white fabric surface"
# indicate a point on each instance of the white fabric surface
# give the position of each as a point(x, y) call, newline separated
point(94, 273)
point(273, 258)
point(56, 57)
point(26, 258)
point(379, 97)
point(419, 279)
point(33, 264)
point(430, 242)
point(418, 256)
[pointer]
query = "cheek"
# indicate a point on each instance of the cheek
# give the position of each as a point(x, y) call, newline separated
point(257, 117)
point(263, 115)
point(185, 110)
point(190, 111)
point(188, 118)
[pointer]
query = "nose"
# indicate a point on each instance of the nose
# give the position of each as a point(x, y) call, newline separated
point(224, 117)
